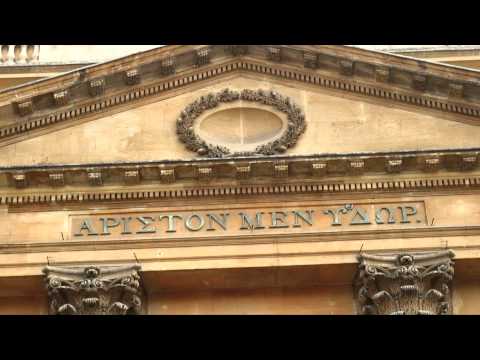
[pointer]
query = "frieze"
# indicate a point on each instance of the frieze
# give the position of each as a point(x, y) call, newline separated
point(185, 123)
point(235, 220)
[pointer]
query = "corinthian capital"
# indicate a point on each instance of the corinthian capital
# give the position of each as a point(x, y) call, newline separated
point(405, 284)
point(92, 290)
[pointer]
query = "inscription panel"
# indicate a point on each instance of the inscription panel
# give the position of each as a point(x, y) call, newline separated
point(246, 221)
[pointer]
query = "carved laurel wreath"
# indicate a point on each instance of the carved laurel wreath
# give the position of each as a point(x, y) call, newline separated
point(186, 133)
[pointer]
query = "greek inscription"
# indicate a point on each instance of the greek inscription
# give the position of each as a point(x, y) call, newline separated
point(315, 218)
point(407, 211)
point(336, 214)
point(196, 225)
point(279, 220)
point(108, 223)
point(147, 225)
point(249, 224)
point(126, 226)
point(222, 222)
point(172, 226)
point(86, 225)
point(360, 217)
point(390, 215)
point(306, 216)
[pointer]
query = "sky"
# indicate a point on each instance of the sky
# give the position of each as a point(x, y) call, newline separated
point(99, 53)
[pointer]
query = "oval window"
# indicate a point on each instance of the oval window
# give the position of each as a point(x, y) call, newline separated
point(241, 129)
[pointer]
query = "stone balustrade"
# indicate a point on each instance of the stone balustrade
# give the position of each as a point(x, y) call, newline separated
point(19, 54)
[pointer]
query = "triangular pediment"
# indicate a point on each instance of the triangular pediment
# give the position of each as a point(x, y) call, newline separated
point(352, 102)
point(335, 124)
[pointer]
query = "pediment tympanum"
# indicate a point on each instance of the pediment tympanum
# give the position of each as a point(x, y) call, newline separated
point(335, 125)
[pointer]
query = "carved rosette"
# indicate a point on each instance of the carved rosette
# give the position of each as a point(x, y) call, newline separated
point(94, 290)
point(405, 284)
point(186, 133)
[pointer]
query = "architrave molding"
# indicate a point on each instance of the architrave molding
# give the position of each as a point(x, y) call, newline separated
point(324, 238)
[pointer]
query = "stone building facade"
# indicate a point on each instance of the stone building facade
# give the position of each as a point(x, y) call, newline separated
point(241, 179)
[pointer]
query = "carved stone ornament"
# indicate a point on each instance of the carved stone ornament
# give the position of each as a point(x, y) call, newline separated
point(167, 66)
point(237, 50)
point(24, 107)
point(296, 122)
point(94, 290)
point(60, 98)
point(96, 87)
point(132, 77)
point(405, 284)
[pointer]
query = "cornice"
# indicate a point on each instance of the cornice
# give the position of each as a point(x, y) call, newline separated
point(101, 88)
point(384, 186)
point(201, 172)
point(406, 63)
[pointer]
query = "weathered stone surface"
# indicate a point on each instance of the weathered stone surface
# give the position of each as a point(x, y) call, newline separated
point(93, 290)
point(335, 125)
point(405, 284)
point(381, 167)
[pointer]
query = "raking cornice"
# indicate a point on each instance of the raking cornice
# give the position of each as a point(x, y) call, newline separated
point(102, 88)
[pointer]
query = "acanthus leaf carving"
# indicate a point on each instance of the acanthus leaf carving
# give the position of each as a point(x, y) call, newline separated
point(93, 290)
point(405, 284)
